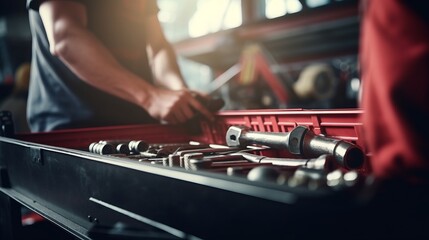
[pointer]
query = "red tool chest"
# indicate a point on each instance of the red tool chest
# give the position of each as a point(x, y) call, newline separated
point(105, 197)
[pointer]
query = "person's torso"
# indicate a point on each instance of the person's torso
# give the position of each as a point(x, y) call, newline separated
point(59, 99)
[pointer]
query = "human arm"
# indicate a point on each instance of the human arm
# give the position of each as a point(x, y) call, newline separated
point(65, 23)
point(166, 70)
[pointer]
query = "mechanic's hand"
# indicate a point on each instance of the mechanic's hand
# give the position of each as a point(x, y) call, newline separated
point(175, 106)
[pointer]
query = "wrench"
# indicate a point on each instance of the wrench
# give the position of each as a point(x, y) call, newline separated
point(300, 141)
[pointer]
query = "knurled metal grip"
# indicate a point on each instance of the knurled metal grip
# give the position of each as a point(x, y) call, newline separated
point(300, 141)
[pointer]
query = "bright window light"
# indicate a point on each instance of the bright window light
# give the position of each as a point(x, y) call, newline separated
point(275, 8)
point(278, 8)
point(293, 6)
point(215, 15)
point(316, 3)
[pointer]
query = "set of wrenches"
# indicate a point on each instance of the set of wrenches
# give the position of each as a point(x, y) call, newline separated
point(317, 162)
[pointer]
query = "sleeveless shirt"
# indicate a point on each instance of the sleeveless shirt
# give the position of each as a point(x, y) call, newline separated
point(58, 99)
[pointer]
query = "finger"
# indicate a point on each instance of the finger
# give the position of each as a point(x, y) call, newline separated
point(179, 116)
point(171, 118)
point(200, 108)
point(188, 112)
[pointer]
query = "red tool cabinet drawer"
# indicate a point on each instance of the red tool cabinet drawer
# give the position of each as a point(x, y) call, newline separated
point(49, 173)
point(342, 124)
point(54, 174)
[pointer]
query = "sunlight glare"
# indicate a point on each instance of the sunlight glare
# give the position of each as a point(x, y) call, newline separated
point(214, 15)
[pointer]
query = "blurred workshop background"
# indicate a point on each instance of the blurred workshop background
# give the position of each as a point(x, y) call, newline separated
point(255, 54)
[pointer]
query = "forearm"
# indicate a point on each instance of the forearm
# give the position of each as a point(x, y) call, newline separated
point(65, 23)
point(163, 58)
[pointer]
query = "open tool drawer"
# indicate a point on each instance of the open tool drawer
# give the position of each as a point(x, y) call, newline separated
point(90, 194)
point(340, 124)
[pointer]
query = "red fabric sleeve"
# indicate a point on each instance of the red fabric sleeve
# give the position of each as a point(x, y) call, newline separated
point(394, 58)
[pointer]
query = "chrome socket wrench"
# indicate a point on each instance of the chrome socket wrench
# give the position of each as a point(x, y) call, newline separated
point(300, 141)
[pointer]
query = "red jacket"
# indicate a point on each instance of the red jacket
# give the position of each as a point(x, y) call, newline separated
point(394, 58)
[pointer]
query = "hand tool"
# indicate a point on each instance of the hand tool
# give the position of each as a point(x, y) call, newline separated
point(204, 151)
point(300, 141)
point(308, 177)
point(324, 161)
point(101, 148)
point(137, 146)
point(120, 146)
point(264, 173)
point(197, 162)
point(165, 150)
